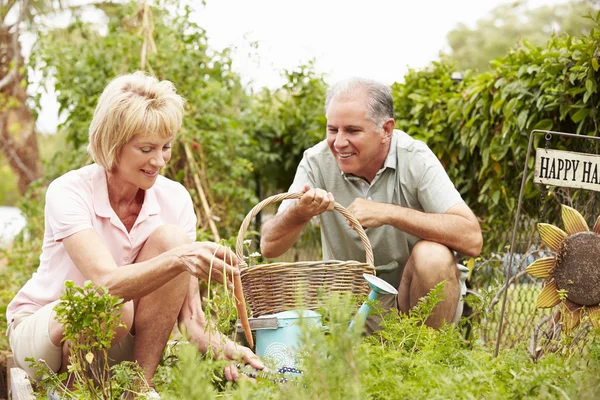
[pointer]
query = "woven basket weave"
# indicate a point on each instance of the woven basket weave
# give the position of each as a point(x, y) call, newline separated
point(277, 287)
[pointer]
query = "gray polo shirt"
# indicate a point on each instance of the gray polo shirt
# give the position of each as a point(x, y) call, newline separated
point(411, 176)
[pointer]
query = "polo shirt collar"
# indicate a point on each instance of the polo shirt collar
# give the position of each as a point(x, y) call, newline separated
point(99, 186)
point(102, 204)
point(390, 160)
point(151, 202)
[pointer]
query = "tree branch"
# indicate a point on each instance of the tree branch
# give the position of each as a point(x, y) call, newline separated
point(10, 151)
point(7, 8)
point(16, 49)
point(8, 78)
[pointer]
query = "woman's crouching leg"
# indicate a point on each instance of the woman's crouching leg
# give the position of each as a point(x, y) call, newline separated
point(30, 337)
point(156, 313)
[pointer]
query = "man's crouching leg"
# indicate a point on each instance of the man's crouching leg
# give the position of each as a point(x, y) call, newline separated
point(156, 313)
point(429, 264)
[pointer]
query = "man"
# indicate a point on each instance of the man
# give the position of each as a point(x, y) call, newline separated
point(394, 186)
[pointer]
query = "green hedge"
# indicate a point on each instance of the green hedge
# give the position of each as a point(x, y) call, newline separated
point(479, 127)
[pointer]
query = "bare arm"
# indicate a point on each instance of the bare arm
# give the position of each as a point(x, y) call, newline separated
point(458, 228)
point(94, 261)
point(192, 321)
point(282, 231)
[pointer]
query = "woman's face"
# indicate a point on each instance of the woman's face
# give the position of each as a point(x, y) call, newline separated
point(142, 158)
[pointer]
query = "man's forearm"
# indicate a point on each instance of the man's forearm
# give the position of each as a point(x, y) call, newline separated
point(280, 233)
point(458, 232)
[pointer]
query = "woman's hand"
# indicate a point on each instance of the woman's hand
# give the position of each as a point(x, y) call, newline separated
point(208, 260)
point(241, 354)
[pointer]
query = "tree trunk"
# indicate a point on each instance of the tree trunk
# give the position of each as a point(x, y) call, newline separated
point(18, 138)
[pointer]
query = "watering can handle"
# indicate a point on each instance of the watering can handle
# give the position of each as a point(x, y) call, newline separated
point(354, 224)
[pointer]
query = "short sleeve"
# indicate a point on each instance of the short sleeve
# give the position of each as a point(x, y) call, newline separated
point(188, 219)
point(66, 211)
point(304, 176)
point(436, 192)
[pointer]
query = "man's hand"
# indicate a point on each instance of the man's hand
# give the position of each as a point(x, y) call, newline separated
point(242, 354)
point(313, 202)
point(370, 214)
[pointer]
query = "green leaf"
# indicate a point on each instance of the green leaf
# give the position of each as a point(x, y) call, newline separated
point(580, 115)
point(498, 148)
point(544, 124)
point(522, 119)
point(595, 63)
point(496, 197)
point(590, 86)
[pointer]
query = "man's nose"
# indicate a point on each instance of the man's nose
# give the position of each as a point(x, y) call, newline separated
point(340, 140)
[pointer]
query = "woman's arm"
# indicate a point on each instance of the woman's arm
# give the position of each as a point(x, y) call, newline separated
point(193, 322)
point(134, 281)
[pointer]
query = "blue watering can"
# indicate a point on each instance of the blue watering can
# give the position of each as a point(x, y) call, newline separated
point(277, 335)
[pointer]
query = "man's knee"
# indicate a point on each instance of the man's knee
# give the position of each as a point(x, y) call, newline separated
point(167, 237)
point(433, 261)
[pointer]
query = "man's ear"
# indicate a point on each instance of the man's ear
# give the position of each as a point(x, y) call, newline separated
point(388, 129)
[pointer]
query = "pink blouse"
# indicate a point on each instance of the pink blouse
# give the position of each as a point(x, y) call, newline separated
point(78, 200)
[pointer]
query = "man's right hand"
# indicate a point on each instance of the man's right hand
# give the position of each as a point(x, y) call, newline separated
point(313, 202)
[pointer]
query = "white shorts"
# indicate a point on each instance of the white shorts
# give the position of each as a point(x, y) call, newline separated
point(28, 337)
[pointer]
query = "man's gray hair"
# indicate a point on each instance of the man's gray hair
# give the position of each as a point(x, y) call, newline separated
point(379, 97)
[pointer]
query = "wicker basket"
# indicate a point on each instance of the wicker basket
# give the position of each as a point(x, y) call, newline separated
point(277, 287)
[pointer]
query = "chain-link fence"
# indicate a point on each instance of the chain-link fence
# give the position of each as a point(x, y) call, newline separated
point(524, 324)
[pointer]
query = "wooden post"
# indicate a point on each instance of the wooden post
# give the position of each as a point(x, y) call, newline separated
point(20, 387)
point(10, 363)
point(201, 194)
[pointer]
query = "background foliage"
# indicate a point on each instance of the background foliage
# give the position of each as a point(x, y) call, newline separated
point(479, 127)
point(246, 145)
point(492, 36)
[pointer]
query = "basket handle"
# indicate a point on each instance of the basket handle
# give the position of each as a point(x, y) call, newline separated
point(354, 224)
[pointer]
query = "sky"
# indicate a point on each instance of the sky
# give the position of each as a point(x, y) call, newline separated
point(378, 39)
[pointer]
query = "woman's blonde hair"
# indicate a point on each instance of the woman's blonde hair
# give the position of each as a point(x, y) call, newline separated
point(132, 104)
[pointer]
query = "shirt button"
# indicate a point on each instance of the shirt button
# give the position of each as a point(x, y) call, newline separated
point(369, 198)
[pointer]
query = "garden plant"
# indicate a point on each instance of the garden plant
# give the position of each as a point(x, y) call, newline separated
point(238, 146)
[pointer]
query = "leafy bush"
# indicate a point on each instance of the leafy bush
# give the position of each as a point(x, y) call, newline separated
point(90, 317)
point(479, 127)
point(406, 360)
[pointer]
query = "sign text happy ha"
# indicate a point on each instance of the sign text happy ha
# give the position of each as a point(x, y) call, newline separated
point(567, 169)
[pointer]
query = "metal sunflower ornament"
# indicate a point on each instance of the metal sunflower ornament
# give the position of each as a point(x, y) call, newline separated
point(573, 275)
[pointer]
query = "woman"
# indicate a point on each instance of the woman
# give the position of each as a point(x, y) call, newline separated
point(122, 225)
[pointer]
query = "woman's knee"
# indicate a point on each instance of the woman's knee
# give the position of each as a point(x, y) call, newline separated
point(167, 237)
point(126, 322)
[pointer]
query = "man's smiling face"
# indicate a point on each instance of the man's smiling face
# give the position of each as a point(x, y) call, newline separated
point(357, 143)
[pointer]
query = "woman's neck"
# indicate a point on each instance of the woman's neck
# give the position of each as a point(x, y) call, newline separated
point(123, 196)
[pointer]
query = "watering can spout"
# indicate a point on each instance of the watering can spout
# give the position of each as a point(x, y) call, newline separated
point(378, 286)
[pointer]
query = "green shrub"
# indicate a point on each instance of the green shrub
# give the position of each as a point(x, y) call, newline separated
point(479, 127)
